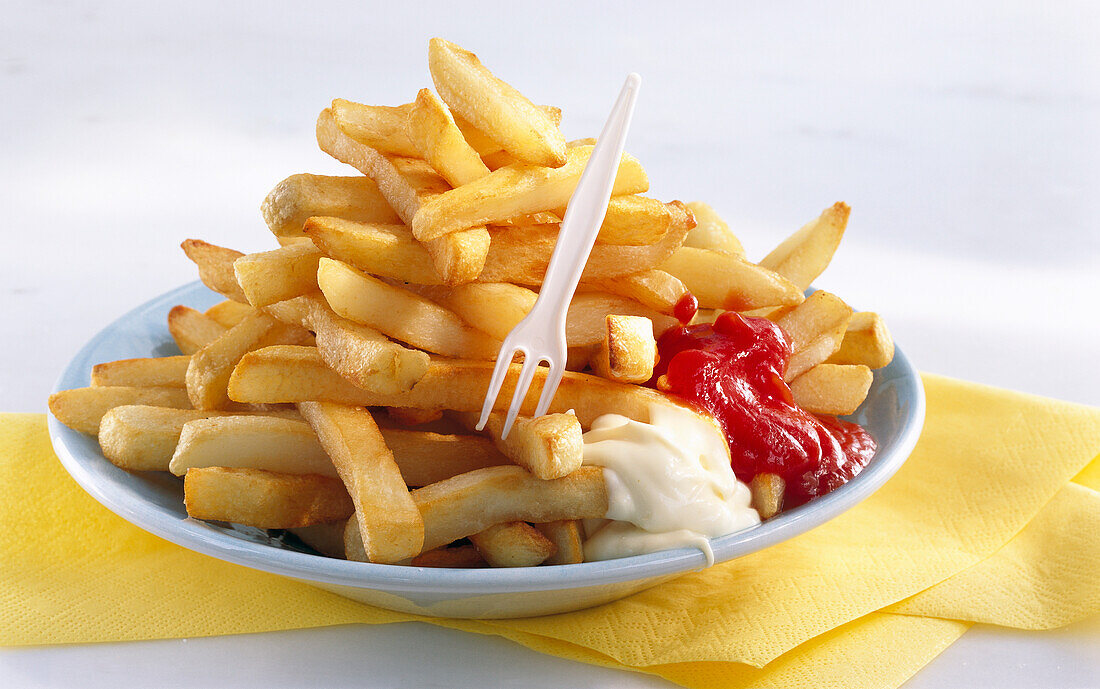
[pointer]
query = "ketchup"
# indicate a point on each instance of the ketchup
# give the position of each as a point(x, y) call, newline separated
point(734, 370)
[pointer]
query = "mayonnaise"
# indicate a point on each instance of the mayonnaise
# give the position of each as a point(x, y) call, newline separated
point(669, 484)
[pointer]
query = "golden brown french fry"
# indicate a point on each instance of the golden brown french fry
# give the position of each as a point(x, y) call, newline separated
point(383, 128)
point(586, 321)
point(264, 499)
point(520, 254)
point(272, 443)
point(389, 523)
point(867, 341)
point(436, 136)
point(767, 494)
point(362, 354)
point(493, 106)
point(406, 183)
point(711, 232)
point(81, 409)
point(215, 265)
point(489, 149)
point(816, 329)
point(656, 289)
point(166, 371)
point(634, 220)
point(548, 446)
point(565, 534)
point(300, 197)
point(384, 250)
point(425, 458)
point(514, 191)
point(832, 388)
point(209, 368)
point(294, 374)
point(144, 438)
point(461, 557)
point(492, 307)
point(229, 313)
point(284, 273)
point(806, 253)
point(400, 314)
point(628, 350)
point(192, 330)
point(513, 544)
point(721, 281)
point(472, 502)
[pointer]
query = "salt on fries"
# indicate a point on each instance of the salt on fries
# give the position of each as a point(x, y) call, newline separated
point(334, 392)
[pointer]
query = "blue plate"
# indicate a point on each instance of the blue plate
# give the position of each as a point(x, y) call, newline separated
point(893, 413)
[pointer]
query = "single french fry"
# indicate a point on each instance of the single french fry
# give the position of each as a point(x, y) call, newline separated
point(711, 232)
point(489, 149)
point(272, 443)
point(721, 281)
point(300, 197)
point(400, 314)
point(229, 313)
point(457, 557)
point(634, 220)
point(438, 139)
point(209, 368)
point(192, 330)
point(565, 534)
point(215, 265)
point(514, 191)
point(521, 254)
point(805, 254)
point(767, 494)
point(166, 371)
point(272, 276)
point(628, 350)
point(383, 128)
point(548, 446)
point(472, 502)
point(384, 250)
point(406, 183)
point(425, 457)
point(389, 522)
point(586, 321)
point(656, 289)
point(832, 388)
point(512, 544)
point(264, 499)
point(494, 308)
point(144, 438)
point(867, 341)
point(295, 374)
point(493, 106)
point(81, 409)
point(816, 329)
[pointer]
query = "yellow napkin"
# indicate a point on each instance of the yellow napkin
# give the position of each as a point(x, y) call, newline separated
point(988, 462)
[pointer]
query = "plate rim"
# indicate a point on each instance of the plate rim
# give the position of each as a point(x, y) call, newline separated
point(203, 538)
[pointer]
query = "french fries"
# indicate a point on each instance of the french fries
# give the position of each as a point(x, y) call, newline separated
point(389, 523)
point(300, 197)
point(381, 310)
point(264, 499)
point(166, 371)
point(472, 502)
point(806, 253)
point(628, 351)
point(494, 107)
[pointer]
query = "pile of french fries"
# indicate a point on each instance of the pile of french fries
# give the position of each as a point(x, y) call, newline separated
point(334, 392)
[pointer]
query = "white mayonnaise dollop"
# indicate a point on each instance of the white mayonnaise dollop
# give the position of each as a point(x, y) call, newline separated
point(669, 484)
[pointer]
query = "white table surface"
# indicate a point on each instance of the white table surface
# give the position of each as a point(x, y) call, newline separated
point(963, 135)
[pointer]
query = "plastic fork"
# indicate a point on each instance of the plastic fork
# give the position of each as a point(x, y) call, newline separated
point(540, 336)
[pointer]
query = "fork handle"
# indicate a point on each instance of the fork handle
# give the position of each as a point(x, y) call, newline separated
point(587, 207)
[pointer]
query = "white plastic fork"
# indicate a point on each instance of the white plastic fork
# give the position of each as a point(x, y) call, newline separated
point(540, 336)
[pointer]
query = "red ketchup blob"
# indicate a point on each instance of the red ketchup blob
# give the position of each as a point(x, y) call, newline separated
point(734, 370)
point(686, 308)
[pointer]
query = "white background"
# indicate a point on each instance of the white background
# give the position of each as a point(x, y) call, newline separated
point(964, 135)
